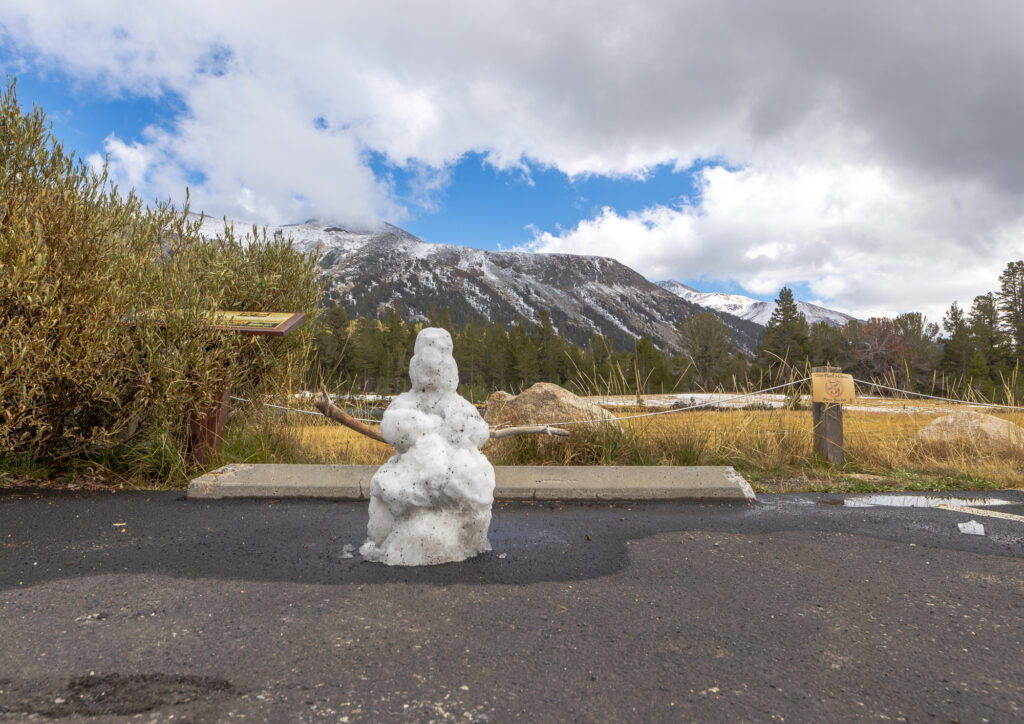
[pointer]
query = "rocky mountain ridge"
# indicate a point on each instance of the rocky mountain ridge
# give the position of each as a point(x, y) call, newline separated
point(367, 270)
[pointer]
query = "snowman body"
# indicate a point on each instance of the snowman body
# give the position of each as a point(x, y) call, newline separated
point(431, 502)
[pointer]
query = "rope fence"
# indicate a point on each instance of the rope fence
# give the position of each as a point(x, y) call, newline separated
point(295, 409)
point(935, 397)
point(687, 408)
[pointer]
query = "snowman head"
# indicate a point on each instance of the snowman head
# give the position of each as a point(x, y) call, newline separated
point(433, 367)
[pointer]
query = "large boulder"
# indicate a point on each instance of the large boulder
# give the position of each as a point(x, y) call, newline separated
point(973, 428)
point(543, 403)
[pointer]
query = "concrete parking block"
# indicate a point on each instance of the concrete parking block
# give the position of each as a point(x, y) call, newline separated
point(526, 482)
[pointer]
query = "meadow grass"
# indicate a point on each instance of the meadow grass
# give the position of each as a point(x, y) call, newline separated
point(773, 448)
point(274, 437)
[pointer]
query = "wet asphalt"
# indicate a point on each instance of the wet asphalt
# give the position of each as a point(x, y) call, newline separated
point(151, 607)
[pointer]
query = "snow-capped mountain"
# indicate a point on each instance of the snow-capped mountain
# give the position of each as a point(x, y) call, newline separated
point(365, 270)
point(752, 310)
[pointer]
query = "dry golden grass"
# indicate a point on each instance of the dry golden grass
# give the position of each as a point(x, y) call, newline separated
point(334, 443)
point(772, 447)
point(270, 437)
point(779, 443)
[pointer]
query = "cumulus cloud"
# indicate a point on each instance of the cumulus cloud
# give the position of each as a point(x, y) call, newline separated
point(128, 162)
point(862, 237)
point(855, 135)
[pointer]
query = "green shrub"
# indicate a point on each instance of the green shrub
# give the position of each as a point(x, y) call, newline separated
point(106, 346)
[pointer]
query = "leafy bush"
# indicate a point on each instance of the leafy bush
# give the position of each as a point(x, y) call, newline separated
point(106, 346)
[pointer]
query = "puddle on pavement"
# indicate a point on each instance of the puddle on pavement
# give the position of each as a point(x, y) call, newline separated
point(919, 501)
point(108, 694)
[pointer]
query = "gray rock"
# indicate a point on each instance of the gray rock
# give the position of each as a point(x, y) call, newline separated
point(544, 403)
point(975, 428)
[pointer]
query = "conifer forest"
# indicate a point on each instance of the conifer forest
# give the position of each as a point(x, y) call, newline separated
point(973, 350)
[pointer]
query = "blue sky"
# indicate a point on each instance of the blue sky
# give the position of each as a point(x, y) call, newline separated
point(734, 148)
point(490, 208)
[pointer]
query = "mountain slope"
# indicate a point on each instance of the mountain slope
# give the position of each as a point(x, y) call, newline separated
point(367, 270)
point(751, 309)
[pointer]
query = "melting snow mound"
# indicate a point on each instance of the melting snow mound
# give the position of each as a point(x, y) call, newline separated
point(431, 502)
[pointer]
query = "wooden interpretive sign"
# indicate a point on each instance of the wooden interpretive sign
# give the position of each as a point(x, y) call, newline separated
point(206, 430)
point(270, 323)
point(832, 387)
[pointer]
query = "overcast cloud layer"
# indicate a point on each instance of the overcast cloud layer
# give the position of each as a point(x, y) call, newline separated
point(870, 149)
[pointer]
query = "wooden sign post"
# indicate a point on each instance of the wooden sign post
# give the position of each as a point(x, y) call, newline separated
point(206, 428)
point(830, 389)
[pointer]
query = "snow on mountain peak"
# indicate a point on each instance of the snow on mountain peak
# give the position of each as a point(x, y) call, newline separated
point(315, 237)
point(750, 309)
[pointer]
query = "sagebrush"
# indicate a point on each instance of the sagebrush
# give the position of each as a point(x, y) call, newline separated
point(106, 345)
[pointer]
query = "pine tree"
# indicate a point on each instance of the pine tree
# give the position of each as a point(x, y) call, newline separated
point(524, 355)
point(921, 350)
point(706, 347)
point(394, 362)
point(785, 341)
point(649, 365)
point(470, 355)
point(736, 372)
point(550, 349)
point(365, 346)
point(991, 356)
point(499, 357)
point(956, 348)
point(330, 345)
point(375, 356)
point(977, 372)
point(602, 375)
point(830, 345)
point(1011, 304)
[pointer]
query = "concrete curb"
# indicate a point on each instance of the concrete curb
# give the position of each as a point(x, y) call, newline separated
point(528, 482)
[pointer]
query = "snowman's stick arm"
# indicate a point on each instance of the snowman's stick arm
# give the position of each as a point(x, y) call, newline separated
point(528, 430)
point(324, 404)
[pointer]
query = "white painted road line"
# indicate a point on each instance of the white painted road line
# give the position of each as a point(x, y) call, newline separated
point(918, 501)
point(983, 511)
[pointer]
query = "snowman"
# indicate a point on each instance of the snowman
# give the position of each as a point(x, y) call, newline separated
point(431, 502)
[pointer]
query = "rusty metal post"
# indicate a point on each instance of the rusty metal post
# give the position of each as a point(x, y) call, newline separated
point(828, 426)
point(206, 430)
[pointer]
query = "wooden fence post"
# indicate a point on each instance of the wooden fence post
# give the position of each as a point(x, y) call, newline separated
point(828, 426)
point(206, 430)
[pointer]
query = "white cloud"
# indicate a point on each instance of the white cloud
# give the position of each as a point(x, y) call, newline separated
point(862, 237)
point(128, 162)
point(873, 145)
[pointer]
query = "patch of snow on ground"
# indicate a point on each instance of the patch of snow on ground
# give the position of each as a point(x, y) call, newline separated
point(726, 401)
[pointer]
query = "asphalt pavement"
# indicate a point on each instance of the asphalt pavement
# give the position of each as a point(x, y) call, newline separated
point(151, 607)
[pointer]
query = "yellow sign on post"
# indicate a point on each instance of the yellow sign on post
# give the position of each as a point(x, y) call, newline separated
point(833, 388)
point(272, 323)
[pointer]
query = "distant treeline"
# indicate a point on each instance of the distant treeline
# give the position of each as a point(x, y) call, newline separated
point(975, 352)
point(372, 355)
